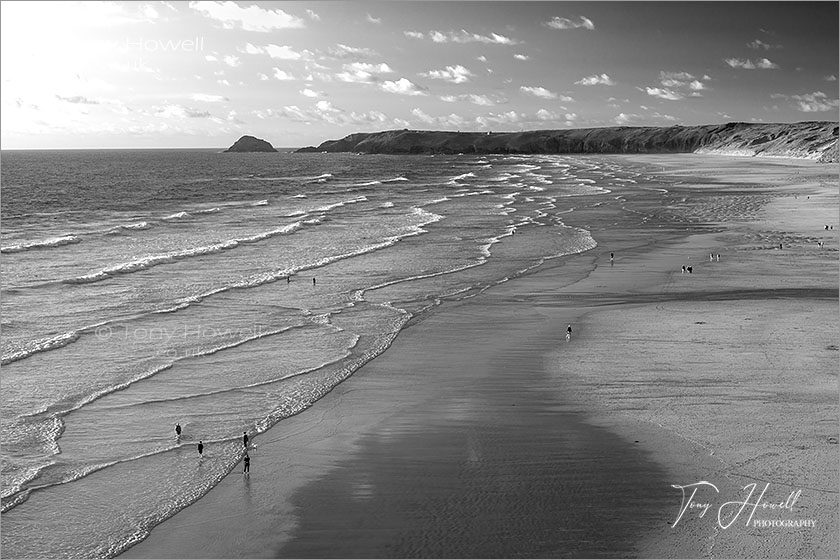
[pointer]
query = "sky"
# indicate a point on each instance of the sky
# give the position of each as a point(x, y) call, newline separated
point(200, 74)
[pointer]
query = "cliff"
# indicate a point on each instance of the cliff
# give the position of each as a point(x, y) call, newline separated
point(809, 140)
point(250, 144)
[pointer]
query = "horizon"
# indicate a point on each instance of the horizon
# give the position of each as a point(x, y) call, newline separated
point(286, 149)
point(199, 75)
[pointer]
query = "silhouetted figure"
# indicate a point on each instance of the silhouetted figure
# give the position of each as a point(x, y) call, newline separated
point(200, 448)
point(688, 269)
point(612, 256)
point(718, 257)
point(245, 439)
point(569, 332)
point(247, 461)
point(683, 270)
point(288, 279)
point(313, 281)
point(178, 430)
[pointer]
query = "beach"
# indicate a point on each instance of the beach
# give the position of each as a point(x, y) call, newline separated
point(482, 432)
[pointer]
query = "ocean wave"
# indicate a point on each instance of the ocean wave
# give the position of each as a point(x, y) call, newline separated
point(45, 244)
point(167, 258)
point(454, 180)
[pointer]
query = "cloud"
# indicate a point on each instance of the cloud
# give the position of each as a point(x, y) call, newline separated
point(563, 23)
point(180, 112)
point(262, 77)
point(624, 118)
point(594, 80)
point(414, 34)
point(481, 58)
point(363, 72)
point(313, 16)
point(282, 52)
point(448, 121)
point(372, 19)
point(464, 36)
point(567, 119)
point(346, 51)
point(78, 99)
point(403, 87)
point(678, 85)
point(473, 98)
point(664, 93)
point(252, 18)
point(748, 64)
point(455, 74)
point(311, 93)
point(232, 60)
point(521, 57)
point(208, 98)
point(816, 102)
point(324, 111)
point(830, 78)
point(282, 75)
point(537, 91)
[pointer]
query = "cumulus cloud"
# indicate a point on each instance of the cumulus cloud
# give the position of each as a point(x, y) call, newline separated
point(345, 51)
point(464, 36)
point(664, 93)
point(748, 64)
point(521, 57)
point(567, 119)
point(678, 85)
point(595, 80)
point(313, 16)
point(311, 93)
point(372, 19)
point(180, 112)
point(816, 102)
point(252, 18)
point(538, 91)
point(324, 111)
point(563, 23)
point(455, 74)
point(78, 99)
point(624, 118)
point(403, 86)
point(414, 34)
point(208, 98)
point(282, 52)
point(282, 75)
point(232, 60)
point(473, 98)
point(363, 72)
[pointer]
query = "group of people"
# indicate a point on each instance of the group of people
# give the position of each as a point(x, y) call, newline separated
point(246, 460)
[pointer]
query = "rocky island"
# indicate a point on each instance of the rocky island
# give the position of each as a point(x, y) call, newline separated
point(251, 144)
point(806, 140)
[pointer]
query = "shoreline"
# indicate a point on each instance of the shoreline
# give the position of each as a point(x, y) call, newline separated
point(356, 454)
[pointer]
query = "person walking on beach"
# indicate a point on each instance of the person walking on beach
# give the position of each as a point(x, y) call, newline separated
point(313, 281)
point(568, 333)
point(247, 461)
point(245, 440)
point(612, 256)
point(200, 448)
point(178, 430)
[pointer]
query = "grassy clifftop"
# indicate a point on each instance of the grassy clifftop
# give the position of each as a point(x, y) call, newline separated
point(810, 140)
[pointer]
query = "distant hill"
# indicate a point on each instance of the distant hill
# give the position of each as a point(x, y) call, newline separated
point(251, 144)
point(808, 140)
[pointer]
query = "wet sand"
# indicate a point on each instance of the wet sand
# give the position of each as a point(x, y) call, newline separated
point(482, 433)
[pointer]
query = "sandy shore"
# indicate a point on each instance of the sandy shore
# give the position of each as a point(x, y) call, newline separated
point(482, 433)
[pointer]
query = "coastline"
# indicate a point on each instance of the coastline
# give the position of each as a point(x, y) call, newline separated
point(480, 413)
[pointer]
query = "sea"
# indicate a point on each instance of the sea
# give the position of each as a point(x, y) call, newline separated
point(226, 292)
